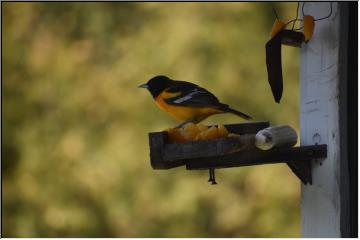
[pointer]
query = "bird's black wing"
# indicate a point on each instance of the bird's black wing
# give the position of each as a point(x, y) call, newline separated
point(191, 95)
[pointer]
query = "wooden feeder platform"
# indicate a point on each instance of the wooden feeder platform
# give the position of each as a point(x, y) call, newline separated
point(234, 151)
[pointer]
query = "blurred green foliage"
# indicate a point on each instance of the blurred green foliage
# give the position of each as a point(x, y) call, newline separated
point(75, 148)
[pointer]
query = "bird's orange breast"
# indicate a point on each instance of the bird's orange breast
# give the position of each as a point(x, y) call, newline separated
point(183, 113)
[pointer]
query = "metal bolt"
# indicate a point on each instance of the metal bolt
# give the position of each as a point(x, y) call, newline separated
point(316, 138)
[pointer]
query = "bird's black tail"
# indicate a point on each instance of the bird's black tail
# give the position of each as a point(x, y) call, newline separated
point(226, 108)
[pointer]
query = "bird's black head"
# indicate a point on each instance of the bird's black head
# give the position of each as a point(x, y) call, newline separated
point(157, 84)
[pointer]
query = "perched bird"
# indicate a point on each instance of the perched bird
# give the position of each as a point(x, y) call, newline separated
point(185, 101)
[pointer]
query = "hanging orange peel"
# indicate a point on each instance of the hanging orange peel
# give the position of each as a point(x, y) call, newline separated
point(279, 35)
point(308, 27)
point(277, 27)
point(196, 132)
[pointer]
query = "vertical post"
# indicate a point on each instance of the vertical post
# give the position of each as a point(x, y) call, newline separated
point(320, 121)
point(348, 121)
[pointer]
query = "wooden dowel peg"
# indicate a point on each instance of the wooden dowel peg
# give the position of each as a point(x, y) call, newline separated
point(278, 136)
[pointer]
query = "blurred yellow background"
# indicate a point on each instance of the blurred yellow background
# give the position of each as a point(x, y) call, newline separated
point(75, 146)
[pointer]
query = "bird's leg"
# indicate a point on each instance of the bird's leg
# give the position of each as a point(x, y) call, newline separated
point(212, 176)
point(184, 123)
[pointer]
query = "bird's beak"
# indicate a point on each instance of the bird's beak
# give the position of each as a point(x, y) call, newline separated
point(143, 86)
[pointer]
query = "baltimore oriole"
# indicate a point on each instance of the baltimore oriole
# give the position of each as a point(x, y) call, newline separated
point(185, 101)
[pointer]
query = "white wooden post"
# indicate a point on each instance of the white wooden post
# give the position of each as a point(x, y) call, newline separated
point(319, 123)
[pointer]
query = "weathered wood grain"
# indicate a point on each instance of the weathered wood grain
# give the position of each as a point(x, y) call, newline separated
point(157, 141)
point(247, 128)
point(165, 155)
point(319, 122)
point(233, 151)
point(256, 157)
point(209, 148)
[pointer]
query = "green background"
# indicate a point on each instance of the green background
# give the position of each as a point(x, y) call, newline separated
point(75, 146)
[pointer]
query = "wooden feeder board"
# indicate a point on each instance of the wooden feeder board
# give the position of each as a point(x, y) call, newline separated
point(231, 152)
